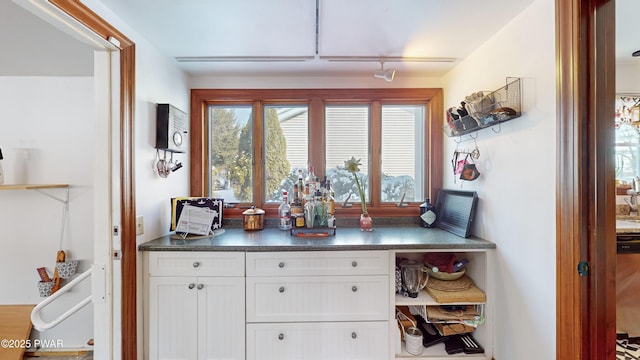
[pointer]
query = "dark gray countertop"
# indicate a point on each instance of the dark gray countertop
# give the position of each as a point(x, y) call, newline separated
point(350, 238)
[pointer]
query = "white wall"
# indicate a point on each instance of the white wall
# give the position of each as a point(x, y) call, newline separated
point(158, 80)
point(516, 188)
point(628, 77)
point(517, 210)
point(46, 137)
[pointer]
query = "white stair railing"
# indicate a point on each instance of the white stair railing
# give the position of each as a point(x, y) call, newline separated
point(40, 324)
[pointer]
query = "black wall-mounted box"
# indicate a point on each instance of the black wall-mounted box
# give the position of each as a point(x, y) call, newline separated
point(171, 128)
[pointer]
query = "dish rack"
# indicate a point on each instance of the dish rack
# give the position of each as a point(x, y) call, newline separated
point(488, 108)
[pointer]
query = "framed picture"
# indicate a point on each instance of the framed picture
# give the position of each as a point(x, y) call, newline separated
point(455, 211)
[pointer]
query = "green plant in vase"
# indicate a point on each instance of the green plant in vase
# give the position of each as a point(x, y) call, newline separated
point(353, 166)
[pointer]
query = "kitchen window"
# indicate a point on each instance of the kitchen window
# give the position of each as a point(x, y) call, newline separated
point(249, 145)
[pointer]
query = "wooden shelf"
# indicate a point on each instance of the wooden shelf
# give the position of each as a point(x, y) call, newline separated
point(425, 299)
point(33, 186)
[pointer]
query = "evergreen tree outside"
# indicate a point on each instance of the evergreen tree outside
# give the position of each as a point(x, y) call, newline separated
point(277, 168)
point(224, 146)
point(243, 165)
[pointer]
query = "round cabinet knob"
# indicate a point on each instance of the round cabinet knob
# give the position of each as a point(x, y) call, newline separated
point(191, 286)
point(354, 288)
point(200, 286)
point(281, 265)
point(281, 289)
point(354, 263)
point(280, 336)
point(196, 264)
point(354, 335)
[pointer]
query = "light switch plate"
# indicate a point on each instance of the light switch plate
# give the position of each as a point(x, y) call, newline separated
point(139, 225)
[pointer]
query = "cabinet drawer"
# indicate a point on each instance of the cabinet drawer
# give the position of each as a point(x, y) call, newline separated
point(317, 298)
point(318, 341)
point(318, 263)
point(194, 263)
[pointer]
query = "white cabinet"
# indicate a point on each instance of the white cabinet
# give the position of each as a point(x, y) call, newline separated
point(198, 314)
point(310, 305)
point(318, 305)
point(479, 270)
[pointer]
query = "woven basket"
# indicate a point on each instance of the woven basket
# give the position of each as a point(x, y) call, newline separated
point(463, 283)
point(445, 275)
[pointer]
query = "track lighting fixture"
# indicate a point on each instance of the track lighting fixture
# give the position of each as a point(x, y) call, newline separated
point(385, 74)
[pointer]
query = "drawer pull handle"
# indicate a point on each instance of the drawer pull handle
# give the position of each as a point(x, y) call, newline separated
point(280, 336)
point(354, 288)
point(354, 335)
point(191, 286)
point(196, 264)
point(200, 286)
point(354, 263)
point(281, 265)
point(281, 289)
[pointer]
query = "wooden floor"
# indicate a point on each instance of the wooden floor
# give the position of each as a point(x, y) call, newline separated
point(15, 325)
point(79, 357)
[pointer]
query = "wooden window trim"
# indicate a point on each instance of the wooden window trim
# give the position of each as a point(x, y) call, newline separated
point(317, 99)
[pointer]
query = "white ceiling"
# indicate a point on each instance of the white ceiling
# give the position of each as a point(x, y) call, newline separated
point(246, 37)
point(216, 29)
point(31, 46)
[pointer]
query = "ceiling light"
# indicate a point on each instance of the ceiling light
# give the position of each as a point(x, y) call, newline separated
point(385, 74)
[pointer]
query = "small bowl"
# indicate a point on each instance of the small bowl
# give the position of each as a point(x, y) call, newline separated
point(444, 275)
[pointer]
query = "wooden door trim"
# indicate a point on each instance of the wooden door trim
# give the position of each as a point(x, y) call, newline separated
point(585, 220)
point(102, 28)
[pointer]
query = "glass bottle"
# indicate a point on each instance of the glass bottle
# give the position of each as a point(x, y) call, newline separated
point(311, 180)
point(332, 203)
point(284, 213)
point(300, 185)
point(321, 214)
point(427, 214)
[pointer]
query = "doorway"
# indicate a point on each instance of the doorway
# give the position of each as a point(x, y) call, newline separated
point(585, 184)
point(115, 341)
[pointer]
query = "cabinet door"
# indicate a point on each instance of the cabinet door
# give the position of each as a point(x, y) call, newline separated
point(173, 314)
point(221, 318)
point(318, 341)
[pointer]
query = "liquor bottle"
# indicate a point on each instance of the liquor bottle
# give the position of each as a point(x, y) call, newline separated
point(296, 194)
point(320, 215)
point(332, 203)
point(311, 181)
point(307, 194)
point(284, 213)
point(296, 204)
point(427, 214)
point(300, 185)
